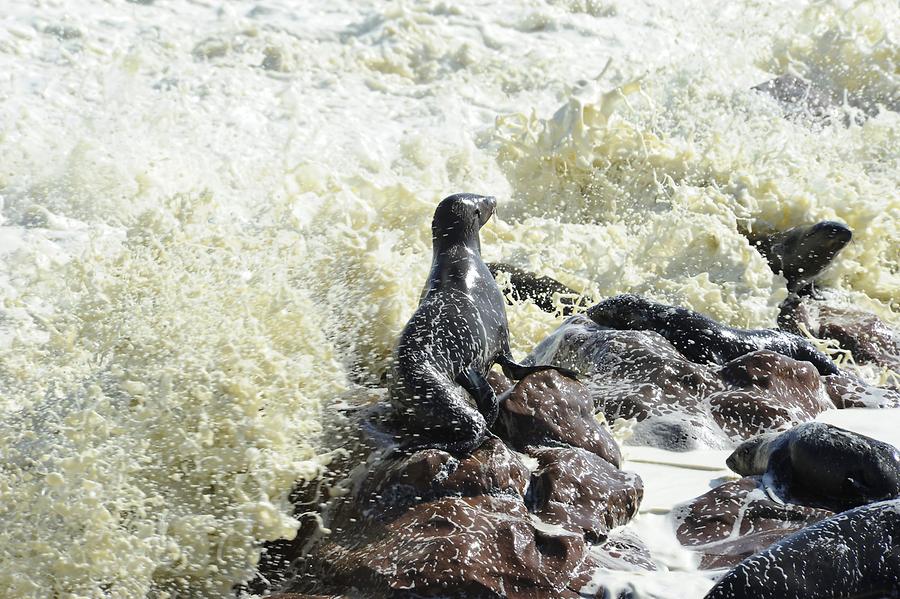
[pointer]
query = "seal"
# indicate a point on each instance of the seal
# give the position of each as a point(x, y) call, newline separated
point(853, 554)
point(456, 334)
point(801, 253)
point(822, 465)
point(699, 338)
point(543, 291)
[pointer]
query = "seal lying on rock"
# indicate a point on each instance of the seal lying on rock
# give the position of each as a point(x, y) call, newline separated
point(454, 337)
point(822, 465)
point(698, 337)
point(801, 253)
point(853, 554)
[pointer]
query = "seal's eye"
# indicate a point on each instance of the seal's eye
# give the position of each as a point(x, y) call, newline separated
point(478, 212)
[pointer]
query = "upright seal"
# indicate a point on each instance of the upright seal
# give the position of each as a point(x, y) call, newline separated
point(454, 337)
point(801, 253)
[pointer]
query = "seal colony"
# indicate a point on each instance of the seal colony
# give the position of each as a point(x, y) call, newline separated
point(413, 512)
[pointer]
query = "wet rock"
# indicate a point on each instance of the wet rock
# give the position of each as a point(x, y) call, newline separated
point(853, 554)
point(867, 337)
point(547, 408)
point(460, 547)
point(678, 404)
point(498, 382)
point(395, 483)
point(578, 490)
point(623, 550)
point(637, 374)
point(736, 520)
point(850, 392)
point(767, 392)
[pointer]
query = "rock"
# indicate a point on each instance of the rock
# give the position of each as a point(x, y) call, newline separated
point(395, 483)
point(853, 554)
point(622, 550)
point(680, 405)
point(460, 547)
point(547, 408)
point(867, 337)
point(638, 374)
point(578, 490)
point(846, 391)
point(737, 519)
point(768, 391)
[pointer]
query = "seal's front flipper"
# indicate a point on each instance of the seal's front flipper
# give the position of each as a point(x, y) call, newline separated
point(474, 382)
point(517, 372)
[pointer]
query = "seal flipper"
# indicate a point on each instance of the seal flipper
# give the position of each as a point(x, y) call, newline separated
point(517, 372)
point(477, 386)
point(776, 481)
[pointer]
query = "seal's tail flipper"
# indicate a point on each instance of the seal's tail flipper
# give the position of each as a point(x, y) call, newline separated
point(477, 386)
point(517, 372)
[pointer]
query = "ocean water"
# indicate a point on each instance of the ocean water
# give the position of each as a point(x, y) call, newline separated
point(215, 221)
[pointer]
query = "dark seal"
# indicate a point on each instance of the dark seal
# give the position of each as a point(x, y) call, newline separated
point(544, 291)
point(853, 554)
point(821, 465)
point(454, 337)
point(698, 337)
point(800, 254)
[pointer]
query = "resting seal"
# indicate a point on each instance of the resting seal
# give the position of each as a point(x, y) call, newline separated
point(698, 337)
point(853, 554)
point(454, 337)
point(800, 254)
point(822, 465)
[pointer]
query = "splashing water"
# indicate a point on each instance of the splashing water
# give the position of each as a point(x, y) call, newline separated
point(215, 221)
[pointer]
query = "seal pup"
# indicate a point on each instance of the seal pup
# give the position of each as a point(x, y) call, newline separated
point(541, 290)
point(700, 338)
point(801, 253)
point(454, 337)
point(853, 554)
point(822, 465)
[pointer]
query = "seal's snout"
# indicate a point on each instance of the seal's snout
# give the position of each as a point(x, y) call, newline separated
point(486, 206)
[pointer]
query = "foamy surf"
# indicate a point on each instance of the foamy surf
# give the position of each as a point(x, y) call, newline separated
point(215, 223)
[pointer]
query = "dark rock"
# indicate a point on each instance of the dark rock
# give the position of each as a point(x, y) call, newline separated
point(867, 337)
point(578, 490)
point(679, 404)
point(767, 392)
point(460, 547)
point(395, 483)
point(853, 554)
point(850, 392)
point(637, 374)
point(498, 382)
point(547, 408)
point(738, 519)
point(623, 550)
